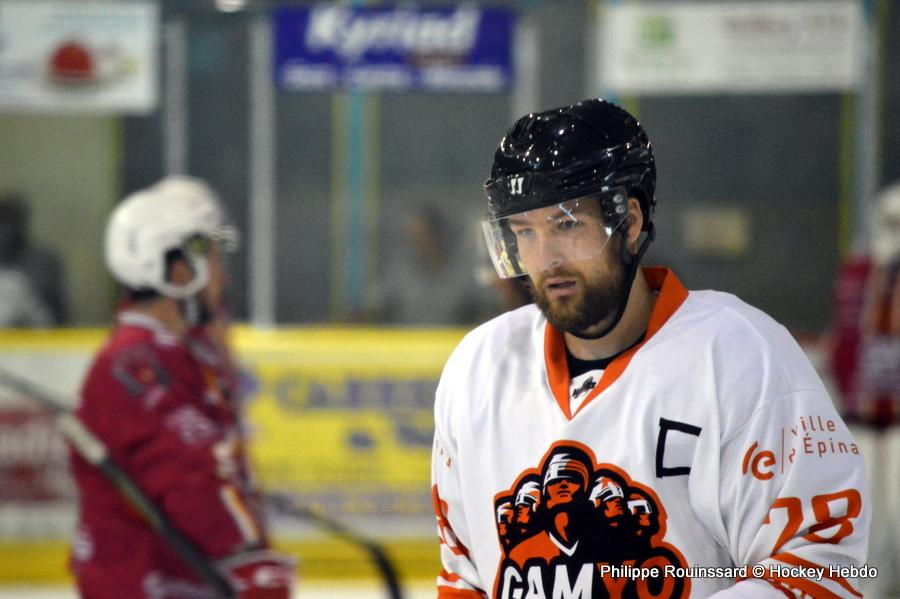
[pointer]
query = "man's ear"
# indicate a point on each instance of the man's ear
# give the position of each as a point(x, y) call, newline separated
point(635, 223)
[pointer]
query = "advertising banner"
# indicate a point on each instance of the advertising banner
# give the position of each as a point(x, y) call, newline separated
point(341, 419)
point(74, 57)
point(33, 458)
point(344, 418)
point(459, 49)
point(655, 48)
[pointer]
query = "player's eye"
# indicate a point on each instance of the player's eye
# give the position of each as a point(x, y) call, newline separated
point(568, 224)
point(523, 233)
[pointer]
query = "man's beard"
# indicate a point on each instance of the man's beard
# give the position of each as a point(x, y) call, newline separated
point(598, 301)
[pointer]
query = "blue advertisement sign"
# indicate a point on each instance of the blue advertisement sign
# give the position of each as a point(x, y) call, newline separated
point(458, 49)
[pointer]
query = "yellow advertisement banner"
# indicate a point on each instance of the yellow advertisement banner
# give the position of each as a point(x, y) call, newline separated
point(341, 418)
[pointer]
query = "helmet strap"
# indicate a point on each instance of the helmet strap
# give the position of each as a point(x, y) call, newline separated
point(631, 263)
point(190, 310)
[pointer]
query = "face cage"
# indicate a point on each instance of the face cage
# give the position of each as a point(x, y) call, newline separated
point(200, 266)
point(196, 251)
point(565, 232)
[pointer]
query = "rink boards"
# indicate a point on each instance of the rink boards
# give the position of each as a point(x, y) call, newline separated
point(340, 418)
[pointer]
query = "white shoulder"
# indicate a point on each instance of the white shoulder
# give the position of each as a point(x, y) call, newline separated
point(745, 332)
point(510, 342)
point(743, 353)
point(513, 327)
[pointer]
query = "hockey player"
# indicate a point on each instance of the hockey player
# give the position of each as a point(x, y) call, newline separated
point(160, 410)
point(208, 338)
point(865, 361)
point(702, 409)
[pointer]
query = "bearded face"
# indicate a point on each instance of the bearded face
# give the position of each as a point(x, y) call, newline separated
point(577, 296)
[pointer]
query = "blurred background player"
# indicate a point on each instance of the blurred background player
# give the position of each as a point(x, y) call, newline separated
point(209, 337)
point(865, 361)
point(165, 410)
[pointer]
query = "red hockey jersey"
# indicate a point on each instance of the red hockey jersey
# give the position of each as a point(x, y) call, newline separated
point(865, 348)
point(163, 413)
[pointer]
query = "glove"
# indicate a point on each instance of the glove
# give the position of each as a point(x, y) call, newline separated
point(260, 574)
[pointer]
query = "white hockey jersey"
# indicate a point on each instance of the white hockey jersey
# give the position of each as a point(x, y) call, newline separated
point(708, 449)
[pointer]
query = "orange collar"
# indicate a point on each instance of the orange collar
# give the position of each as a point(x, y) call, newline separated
point(671, 295)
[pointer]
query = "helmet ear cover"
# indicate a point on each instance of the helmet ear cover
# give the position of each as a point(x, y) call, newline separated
point(195, 245)
point(145, 294)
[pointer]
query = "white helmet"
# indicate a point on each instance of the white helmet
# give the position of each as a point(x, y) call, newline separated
point(886, 226)
point(196, 190)
point(150, 223)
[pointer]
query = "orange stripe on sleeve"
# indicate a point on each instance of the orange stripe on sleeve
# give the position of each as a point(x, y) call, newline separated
point(809, 587)
point(445, 531)
point(783, 590)
point(449, 576)
point(451, 593)
point(794, 560)
point(239, 512)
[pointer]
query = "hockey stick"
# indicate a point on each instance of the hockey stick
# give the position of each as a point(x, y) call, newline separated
point(95, 453)
point(287, 505)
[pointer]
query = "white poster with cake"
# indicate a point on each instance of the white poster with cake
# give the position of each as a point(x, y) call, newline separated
point(77, 57)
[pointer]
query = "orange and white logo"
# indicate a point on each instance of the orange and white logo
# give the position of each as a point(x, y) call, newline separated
point(759, 462)
point(813, 436)
point(572, 527)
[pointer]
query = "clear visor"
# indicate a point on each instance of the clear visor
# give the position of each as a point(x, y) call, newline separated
point(537, 240)
point(229, 238)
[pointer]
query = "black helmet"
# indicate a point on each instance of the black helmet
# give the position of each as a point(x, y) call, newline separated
point(570, 152)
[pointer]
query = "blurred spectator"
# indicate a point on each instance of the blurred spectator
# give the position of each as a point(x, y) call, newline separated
point(505, 294)
point(31, 278)
point(865, 361)
point(513, 293)
point(429, 282)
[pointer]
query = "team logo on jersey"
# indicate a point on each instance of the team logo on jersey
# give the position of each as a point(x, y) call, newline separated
point(588, 384)
point(576, 528)
point(141, 373)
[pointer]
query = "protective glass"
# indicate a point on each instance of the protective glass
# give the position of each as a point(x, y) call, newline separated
point(229, 238)
point(226, 237)
point(197, 246)
point(536, 240)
